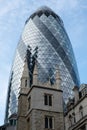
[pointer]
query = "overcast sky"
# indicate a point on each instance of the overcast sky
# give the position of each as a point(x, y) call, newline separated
point(13, 14)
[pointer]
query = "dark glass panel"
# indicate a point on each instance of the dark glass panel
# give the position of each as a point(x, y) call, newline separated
point(40, 13)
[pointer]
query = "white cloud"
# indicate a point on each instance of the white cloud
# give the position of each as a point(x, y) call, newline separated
point(9, 6)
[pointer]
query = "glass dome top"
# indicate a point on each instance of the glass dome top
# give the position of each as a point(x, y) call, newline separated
point(47, 11)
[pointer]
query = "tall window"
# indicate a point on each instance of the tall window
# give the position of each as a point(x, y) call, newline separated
point(28, 123)
point(48, 99)
point(26, 83)
point(29, 103)
point(70, 120)
point(81, 111)
point(73, 118)
point(13, 122)
point(49, 122)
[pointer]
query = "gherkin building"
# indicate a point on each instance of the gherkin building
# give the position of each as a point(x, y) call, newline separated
point(44, 39)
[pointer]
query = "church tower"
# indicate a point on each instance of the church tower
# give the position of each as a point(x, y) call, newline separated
point(22, 100)
point(40, 106)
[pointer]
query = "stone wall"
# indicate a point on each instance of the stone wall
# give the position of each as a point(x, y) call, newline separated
point(37, 120)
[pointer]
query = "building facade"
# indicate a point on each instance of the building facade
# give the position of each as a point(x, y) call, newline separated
point(40, 106)
point(76, 115)
point(43, 39)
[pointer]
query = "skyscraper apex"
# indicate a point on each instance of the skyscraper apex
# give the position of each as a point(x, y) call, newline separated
point(46, 11)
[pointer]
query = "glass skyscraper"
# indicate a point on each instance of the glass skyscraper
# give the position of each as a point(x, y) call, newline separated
point(44, 39)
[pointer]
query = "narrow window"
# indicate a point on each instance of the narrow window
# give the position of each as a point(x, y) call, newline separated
point(81, 111)
point(3, 128)
point(45, 100)
point(46, 122)
point(48, 99)
point(73, 118)
point(26, 83)
point(15, 122)
point(70, 120)
point(11, 122)
point(49, 122)
point(28, 123)
point(29, 103)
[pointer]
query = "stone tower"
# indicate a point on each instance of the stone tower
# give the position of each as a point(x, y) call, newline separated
point(40, 106)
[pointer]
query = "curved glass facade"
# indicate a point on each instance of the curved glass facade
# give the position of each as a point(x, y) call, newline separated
point(43, 39)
